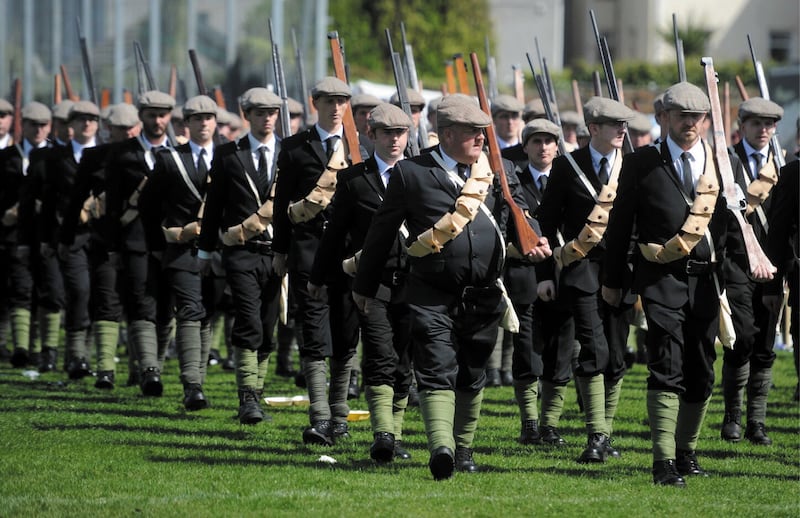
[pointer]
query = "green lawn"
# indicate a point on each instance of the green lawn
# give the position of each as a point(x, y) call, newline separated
point(70, 450)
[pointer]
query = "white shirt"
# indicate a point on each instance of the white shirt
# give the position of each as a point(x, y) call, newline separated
point(697, 157)
point(270, 145)
point(597, 156)
point(149, 158)
point(196, 153)
point(324, 135)
point(754, 167)
point(77, 149)
point(452, 165)
point(536, 174)
point(384, 170)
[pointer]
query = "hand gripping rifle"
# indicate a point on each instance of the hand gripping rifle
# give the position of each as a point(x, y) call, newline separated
point(402, 94)
point(763, 90)
point(349, 124)
point(280, 82)
point(413, 83)
point(755, 255)
point(525, 234)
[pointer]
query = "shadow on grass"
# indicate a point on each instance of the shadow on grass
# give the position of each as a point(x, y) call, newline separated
point(234, 435)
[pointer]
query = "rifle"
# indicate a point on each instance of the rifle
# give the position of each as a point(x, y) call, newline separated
point(679, 50)
point(87, 64)
point(402, 94)
point(525, 234)
point(742, 89)
point(491, 70)
point(519, 88)
point(461, 72)
point(550, 113)
point(219, 97)
point(350, 132)
point(172, 88)
point(105, 97)
point(301, 72)
point(17, 125)
point(71, 95)
point(755, 255)
point(198, 74)
point(780, 161)
point(56, 89)
point(576, 97)
point(413, 81)
point(280, 85)
point(596, 88)
point(451, 78)
point(151, 85)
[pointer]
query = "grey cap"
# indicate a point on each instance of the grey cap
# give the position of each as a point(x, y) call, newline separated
point(598, 110)
point(760, 107)
point(582, 131)
point(534, 109)
point(364, 100)
point(331, 86)
point(295, 108)
point(539, 126)
point(61, 110)
point(155, 99)
point(506, 103)
point(259, 97)
point(5, 106)
point(461, 109)
point(388, 116)
point(105, 111)
point(433, 105)
point(414, 98)
point(199, 104)
point(177, 113)
point(686, 97)
point(124, 115)
point(570, 117)
point(658, 103)
point(84, 108)
point(223, 116)
point(235, 122)
point(36, 112)
point(640, 123)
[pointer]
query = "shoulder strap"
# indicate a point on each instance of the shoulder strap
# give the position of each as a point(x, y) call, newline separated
point(184, 174)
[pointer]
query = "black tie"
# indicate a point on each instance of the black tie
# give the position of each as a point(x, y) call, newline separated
point(263, 169)
point(687, 179)
point(462, 171)
point(602, 175)
point(331, 145)
point(757, 157)
point(542, 182)
point(202, 168)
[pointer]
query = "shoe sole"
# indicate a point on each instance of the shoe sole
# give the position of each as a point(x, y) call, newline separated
point(318, 440)
point(442, 466)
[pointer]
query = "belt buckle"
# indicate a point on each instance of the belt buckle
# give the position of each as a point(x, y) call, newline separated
point(396, 278)
point(696, 267)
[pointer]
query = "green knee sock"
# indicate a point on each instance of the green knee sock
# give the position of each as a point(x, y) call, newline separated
point(662, 412)
point(106, 334)
point(76, 344)
point(205, 348)
point(613, 390)
point(438, 409)
point(187, 341)
point(164, 334)
point(734, 380)
point(337, 392)
point(263, 367)
point(49, 328)
point(757, 392)
point(468, 410)
point(593, 393)
point(690, 421)
point(379, 401)
point(246, 369)
point(527, 395)
point(315, 372)
point(21, 328)
point(552, 403)
point(143, 335)
point(399, 405)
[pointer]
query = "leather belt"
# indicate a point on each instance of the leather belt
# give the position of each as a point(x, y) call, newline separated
point(694, 267)
point(393, 277)
point(258, 247)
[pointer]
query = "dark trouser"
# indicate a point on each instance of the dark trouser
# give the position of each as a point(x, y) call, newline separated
point(754, 326)
point(527, 363)
point(105, 300)
point(75, 271)
point(554, 328)
point(386, 336)
point(187, 290)
point(18, 291)
point(255, 294)
point(138, 286)
point(50, 283)
point(680, 348)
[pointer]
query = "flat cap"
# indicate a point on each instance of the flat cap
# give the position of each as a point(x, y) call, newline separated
point(506, 103)
point(61, 110)
point(414, 98)
point(104, 112)
point(259, 97)
point(177, 113)
point(155, 99)
point(570, 117)
point(640, 123)
point(236, 121)
point(331, 86)
point(433, 105)
point(539, 126)
point(658, 103)
point(760, 107)
point(295, 108)
point(461, 109)
point(84, 108)
point(601, 109)
point(223, 117)
point(388, 116)
point(5, 106)
point(199, 104)
point(686, 97)
point(364, 100)
point(582, 131)
point(36, 112)
point(534, 109)
point(124, 115)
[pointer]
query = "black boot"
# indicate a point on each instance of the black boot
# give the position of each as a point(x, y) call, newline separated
point(530, 433)
point(250, 411)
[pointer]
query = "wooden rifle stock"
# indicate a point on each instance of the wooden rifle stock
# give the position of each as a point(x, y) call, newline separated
point(71, 95)
point(348, 122)
point(576, 98)
point(127, 96)
point(755, 255)
point(742, 90)
point(451, 78)
point(461, 71)
point(56, 89)
point(525, 234)
point(105, 97)
point(172, 88)
point(17, 125)
point(219, 98)
point(519, 88)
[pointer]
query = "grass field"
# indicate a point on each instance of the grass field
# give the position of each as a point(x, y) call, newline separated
point(70, 450)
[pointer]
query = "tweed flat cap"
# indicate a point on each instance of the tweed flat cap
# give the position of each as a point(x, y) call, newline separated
point(223, 117)
point(658, 103)
point(61, 110)
point(365, 101)
point(5, 106)
point(414, 99)
point(640, 123)
point(155, 99)
point(259, 97)
point(295, 108)
point(461, 109)
point(104, 112)
point(433, 105)
point(686, 97)
point(534, 109)
point(199, 104)
point(760, 107)
point(570, 117)
point(123, 115)
point(601, 109)
point(84, 108)
point(506, 103)
point(388, 116)
point(236, 121)
point(539, 126)
point(582, 131)
point(331, 86)
point(177, 113)
point(37, 112)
